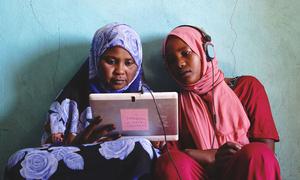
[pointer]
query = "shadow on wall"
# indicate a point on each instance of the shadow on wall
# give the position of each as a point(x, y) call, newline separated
point(156, 74)
point(35, 85)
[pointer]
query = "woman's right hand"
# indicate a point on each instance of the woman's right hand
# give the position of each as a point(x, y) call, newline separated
point(226, 151)
point(96, 133)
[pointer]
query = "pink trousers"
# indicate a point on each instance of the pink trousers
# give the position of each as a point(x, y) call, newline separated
point(253, 161)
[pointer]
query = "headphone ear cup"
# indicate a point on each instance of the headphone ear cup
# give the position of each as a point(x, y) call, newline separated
point(209, 51)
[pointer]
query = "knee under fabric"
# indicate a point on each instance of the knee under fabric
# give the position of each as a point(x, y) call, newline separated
point(253, 161)
point(188, 168)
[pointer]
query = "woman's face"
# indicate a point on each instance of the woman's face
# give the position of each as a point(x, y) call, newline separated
point(118, 68)
point(183, 63)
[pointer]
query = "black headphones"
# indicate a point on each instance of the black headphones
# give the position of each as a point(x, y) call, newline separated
point(207, 44)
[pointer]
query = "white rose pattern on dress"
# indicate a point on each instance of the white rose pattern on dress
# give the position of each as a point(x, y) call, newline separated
point(59, 115)
point(119, 148)
point(85, 118)
point(122, 147)
point(38, 165)
point(16, 157)
point(41, 164)
point(73, 160)
point(60, 151)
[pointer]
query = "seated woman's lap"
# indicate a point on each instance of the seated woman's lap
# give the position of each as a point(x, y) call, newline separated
point(253, 161)
point(81, 162)
point(187, 167)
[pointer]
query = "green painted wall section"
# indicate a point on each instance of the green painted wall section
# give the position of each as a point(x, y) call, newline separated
point(42, 43)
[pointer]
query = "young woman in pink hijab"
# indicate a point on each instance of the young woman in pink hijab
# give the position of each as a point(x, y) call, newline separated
point(224, 133)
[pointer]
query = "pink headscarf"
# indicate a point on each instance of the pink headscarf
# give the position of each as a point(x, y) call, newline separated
point(196, 101)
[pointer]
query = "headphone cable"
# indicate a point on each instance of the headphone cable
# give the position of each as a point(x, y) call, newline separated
point(165, 134)
point(214, 117)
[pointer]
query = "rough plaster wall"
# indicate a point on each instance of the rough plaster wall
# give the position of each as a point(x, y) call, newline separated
point(42, 43)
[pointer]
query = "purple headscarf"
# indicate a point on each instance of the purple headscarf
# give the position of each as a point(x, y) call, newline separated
point(109, 36)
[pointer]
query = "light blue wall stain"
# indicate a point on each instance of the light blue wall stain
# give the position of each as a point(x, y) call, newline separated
point(42, 43)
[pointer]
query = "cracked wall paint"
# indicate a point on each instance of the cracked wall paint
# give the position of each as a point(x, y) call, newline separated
point(36, 17)
point(235, 36)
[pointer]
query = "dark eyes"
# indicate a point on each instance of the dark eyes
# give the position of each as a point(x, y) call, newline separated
point(172, 58)
point(112, 61)
point(186, 52)
point(129, 62)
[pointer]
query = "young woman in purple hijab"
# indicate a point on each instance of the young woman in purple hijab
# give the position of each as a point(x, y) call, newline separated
point(73, 146)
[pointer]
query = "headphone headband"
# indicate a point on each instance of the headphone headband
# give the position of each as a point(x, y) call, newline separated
point(206, 37)
point(207, 45)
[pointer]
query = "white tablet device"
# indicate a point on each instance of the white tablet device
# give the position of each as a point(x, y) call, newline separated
point(135, 114)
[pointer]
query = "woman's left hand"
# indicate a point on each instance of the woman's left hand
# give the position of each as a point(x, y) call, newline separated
point(158, 144)
point(204, 157)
